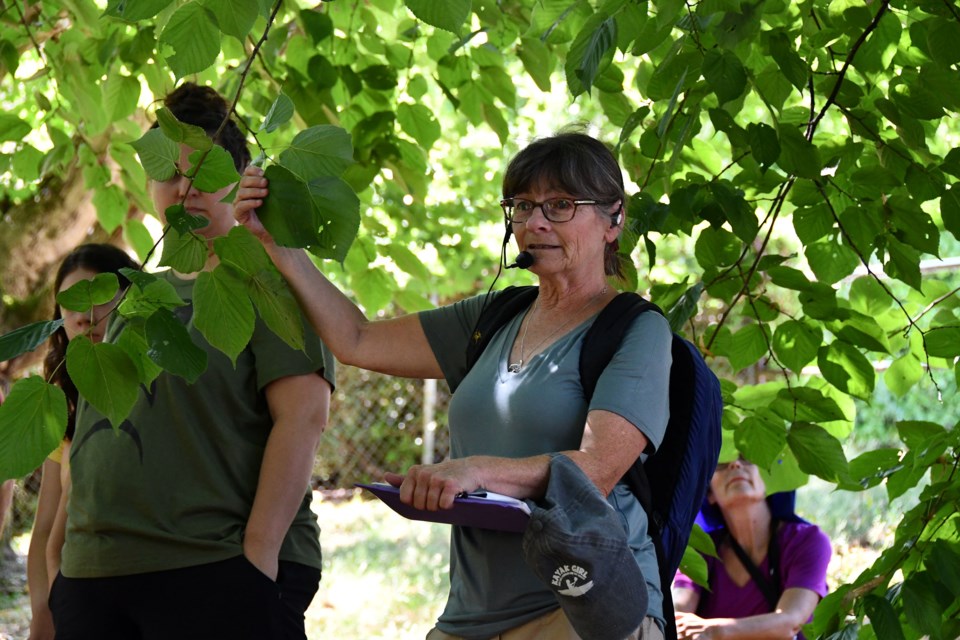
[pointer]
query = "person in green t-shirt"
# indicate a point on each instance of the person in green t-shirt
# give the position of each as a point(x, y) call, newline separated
point(192, 520)
point(564, 201)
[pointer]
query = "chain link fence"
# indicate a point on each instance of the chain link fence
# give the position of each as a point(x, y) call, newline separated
point(380, 423)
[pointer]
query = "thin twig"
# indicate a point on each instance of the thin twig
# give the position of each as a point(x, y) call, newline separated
point(831, 99)
point(26, 27)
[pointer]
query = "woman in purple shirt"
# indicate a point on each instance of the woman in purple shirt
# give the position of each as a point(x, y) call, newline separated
point(772, 565)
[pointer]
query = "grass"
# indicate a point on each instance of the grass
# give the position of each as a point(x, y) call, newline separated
point(386, 577)
point(383, 576)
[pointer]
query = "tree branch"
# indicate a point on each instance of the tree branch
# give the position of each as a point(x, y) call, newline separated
point(831, 99)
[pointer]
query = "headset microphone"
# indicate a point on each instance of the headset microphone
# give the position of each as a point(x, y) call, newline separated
point(524, 260)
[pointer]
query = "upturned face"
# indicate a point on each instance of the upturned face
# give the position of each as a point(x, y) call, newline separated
point(737, 482)
point(79, 322)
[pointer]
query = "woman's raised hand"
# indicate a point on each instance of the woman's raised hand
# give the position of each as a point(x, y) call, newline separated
point(250, 194)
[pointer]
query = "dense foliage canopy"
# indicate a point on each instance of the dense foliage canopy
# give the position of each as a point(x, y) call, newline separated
point(794, 160)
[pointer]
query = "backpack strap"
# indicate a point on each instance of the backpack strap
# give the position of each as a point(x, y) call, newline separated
point(769, 584)
point(496, 313)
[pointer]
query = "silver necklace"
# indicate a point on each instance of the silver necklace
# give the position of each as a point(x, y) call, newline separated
point(515, 367)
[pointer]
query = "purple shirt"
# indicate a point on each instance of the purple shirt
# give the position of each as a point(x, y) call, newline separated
point(804, 555)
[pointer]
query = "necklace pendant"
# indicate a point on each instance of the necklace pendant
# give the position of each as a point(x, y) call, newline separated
point(515, 367)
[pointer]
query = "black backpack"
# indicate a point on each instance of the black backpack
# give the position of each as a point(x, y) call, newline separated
point(673, 482)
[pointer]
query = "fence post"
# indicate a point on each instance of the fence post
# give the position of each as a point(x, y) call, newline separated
point(429, 420)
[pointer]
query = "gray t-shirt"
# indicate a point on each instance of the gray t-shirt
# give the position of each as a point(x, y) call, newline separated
point(541, 409)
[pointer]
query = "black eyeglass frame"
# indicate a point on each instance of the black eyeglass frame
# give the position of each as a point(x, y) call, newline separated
point(507, 204)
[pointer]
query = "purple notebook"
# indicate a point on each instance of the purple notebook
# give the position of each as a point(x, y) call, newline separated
point(483, 509)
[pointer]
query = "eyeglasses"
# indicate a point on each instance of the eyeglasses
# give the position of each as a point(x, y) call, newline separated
point(519, 210)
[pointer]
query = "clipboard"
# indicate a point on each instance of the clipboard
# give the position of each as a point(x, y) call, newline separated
point(481, 509)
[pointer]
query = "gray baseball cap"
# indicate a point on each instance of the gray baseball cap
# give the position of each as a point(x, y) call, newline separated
point(576, 544)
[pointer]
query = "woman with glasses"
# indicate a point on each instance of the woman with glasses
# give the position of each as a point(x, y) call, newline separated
point(564, 202)
point(772, 565)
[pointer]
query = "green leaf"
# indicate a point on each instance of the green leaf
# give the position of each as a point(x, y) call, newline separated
point(120, 96)
point(843, 366)
point(373, 288)
point(195, 39)
point(716, 247)
point(903, 262)
point(134, 344)
point(921, 604)
point(408, 261)
point(280, 113)
point(379, 76)
point(537, 60)
point(942, 342)
point(184, 252)
point(183, 222)
point(242, 252)
point(883, 618)
point(105, 376)
point(277, 306)
point(795, 344)
point(170, 346)
point(13, 128)
point(830, 260)
point(797, 155)
point(914, 225)
point(112, 207)
point(191, 135)
point(868, 297)
point(222, 311)
point(725, 74)
point(862, 331)
point(235, 17)
point(318, 25)
point(764, 144)
point(143, 301)
point(812, 223)
point(85, 294)
point(944, 563)
point(870, 468)
point(694, 566)
point(903, 374)
point(135, 10)
point(288, 212)
point(449, 15)
point(917, 434)
point(338, 208)
point(412, 302)
point(494, 117)
point(942, 41)
point(791, 65)
point(738, 212)
point(817, 452)
point(950, 210)
point(418, 122)
point(216, 172)
point(747, 346)
point(593, 43)
point(33, 420)
point(760, 440)
point(158, 154)
point(27, 338)
point(323, 150)
point(803, 404)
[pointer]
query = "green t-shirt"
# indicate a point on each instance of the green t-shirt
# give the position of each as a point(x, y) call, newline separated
point(539, 410)
point(174, 487)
